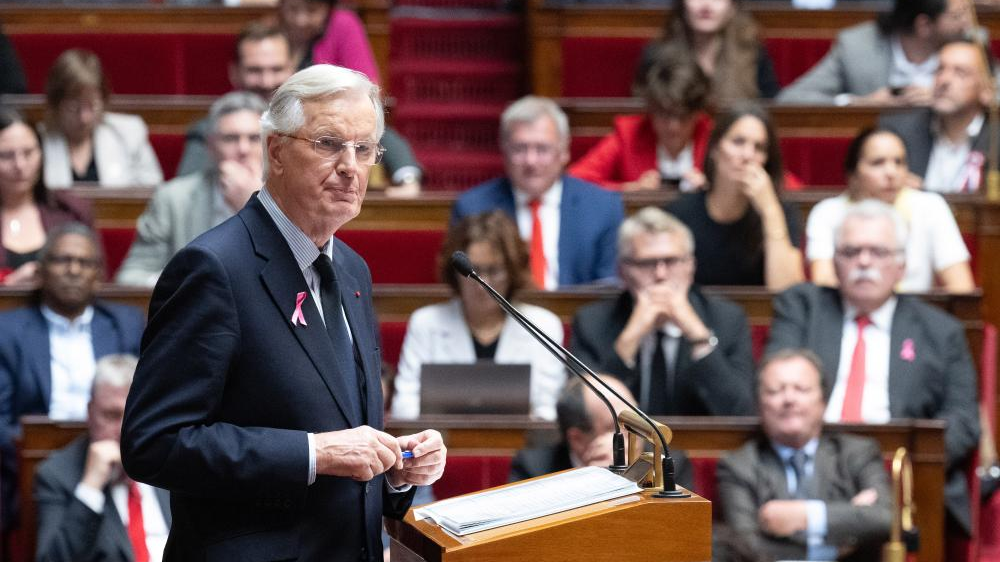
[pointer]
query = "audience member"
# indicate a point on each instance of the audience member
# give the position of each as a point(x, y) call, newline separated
point(472, 327)
point(322, 33)
point(797, 492)
point(27, 209)
point(664, 147)
point(886, 62)
point(84, 143)
point(48, 350)
point(12, 79)
point(569, 223)
point(262, 61)
point(887, 356)
point(88, 509)
point(186, 206)
point(585, 430)
point(724, 40)
point(744, 233)
point(876, 169)
point(681, 351)
point(946, 144)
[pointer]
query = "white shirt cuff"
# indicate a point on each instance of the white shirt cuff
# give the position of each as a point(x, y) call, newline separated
point(816, 519)
point(400, 490)
point(312, 459)
point(93, 499)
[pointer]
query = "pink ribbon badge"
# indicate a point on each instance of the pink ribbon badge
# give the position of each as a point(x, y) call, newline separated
point(907, 353)
point(297, 318)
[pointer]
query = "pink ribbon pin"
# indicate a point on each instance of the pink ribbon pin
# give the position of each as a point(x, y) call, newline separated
point(907, 353)
point(297, 318)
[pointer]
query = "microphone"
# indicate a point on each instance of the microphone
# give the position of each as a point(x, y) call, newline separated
point(462, 265)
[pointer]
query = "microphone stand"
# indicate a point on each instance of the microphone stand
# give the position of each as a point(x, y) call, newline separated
point(462, 265)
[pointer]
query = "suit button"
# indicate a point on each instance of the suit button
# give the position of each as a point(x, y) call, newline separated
point(368, 487)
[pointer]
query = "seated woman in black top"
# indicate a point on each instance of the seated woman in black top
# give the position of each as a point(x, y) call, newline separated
point(744, 234)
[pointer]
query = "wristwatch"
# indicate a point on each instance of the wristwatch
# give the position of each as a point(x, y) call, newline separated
point(710, 340)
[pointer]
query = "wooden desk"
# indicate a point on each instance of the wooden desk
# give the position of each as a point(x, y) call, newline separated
point(700, 437)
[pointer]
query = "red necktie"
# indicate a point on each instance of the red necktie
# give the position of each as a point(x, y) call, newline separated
point(136, 530)
point(537, 249)
point(851, 413)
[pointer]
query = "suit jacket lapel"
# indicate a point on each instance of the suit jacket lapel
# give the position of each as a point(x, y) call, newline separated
point(284, 280)
point(39, 362)
point(116, 531)
point(104, 335)
point(351, 294)
point(827, 346)
point(772, 484)
point(902, 373)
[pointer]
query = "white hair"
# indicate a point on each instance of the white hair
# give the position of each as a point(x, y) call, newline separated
point(285, 114)
point(115, 371)
point(870, 209)
point(530, 109)
point(651, 220)
point(231, 103)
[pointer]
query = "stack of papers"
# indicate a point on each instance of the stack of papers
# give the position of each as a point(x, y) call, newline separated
point(530, 500)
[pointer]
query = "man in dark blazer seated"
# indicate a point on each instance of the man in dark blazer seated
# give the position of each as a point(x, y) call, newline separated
point(569, 224)
point(886, 356)
point(947, 143)
point(682, 352)
point(586, 432)
point(48, 349)
point(257, 401)
point(796, 491)
point(88, 511)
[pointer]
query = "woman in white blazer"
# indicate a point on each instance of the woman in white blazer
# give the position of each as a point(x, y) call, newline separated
point(472, 326)
point(82, 142)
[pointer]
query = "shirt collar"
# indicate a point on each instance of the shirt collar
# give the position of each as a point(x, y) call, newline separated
point(302, 247)
point(900, 61)
point(971, 130)
point(785, 452)
point(60, 322)
point(881, 317)
point(550, 197)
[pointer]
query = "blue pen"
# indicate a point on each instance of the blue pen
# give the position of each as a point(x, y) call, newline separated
point(407, 454)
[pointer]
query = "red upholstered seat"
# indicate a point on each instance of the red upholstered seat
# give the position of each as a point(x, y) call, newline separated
point(817, 161)
point(465, 474)
point(116, 242)
point(599, 66)
point(137, 63)
point(794, 56)
point(169, 149)
point(397, 256)
point(392, 341)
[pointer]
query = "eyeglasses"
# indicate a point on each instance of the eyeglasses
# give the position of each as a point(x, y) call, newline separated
point(649, 265)
point(876, 252)
point(235, 138)
point(67, 261)
point(367, 153)
point(493, 271)
point(542, 151)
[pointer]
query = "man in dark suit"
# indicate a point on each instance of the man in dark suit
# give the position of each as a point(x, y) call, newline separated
point(88, 511)
point(257, 401)
point(886, 355)
point(797, 492)
point(946, 143)
point(586, 431)
point(48, 350)
point(568, 223)
point(681, 351)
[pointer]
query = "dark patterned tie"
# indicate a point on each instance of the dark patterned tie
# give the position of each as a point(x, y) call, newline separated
point(659, 398)
point(798, 461)
point(336, 328)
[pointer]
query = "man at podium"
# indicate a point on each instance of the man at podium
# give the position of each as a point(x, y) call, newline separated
point(796, 492)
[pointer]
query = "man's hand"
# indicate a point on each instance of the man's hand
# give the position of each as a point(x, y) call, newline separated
point(916, 96)
point(360, 453)
point(868, 496)
point(238, 182)
point(427, 464)
point(880, 97)
point(783, 518)
point(25, 275)
point(104, 462)
point(598, 453)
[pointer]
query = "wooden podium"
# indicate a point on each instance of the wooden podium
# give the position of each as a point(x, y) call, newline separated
point(637, 528)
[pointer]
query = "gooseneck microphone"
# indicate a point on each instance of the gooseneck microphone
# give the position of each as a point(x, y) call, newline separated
point(462, 265)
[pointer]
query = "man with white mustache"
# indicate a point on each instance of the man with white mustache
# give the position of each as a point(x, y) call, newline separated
point(887, 355)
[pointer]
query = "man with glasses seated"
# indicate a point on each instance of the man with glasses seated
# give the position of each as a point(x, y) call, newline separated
point(569, 224)
point(886, 355)
point(187, 206)
point(680, 351)
point(48, 350)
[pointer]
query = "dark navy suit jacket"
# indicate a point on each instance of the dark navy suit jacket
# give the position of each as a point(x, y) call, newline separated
point(227, 389)
point(588, 226)
point(26, 376)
